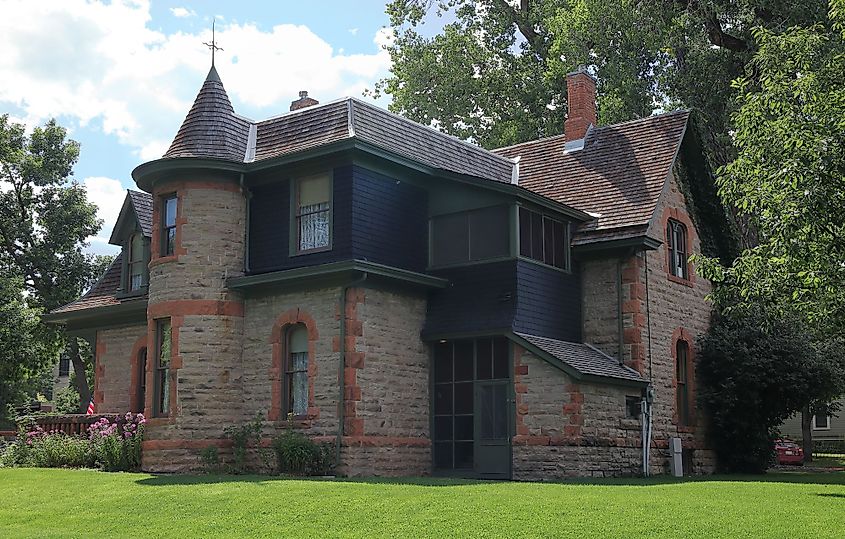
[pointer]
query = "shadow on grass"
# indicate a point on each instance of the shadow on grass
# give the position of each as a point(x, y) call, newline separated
point(831, 495)
point(786, 477)
point(170, 480)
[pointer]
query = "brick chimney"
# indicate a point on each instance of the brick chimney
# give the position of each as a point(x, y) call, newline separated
point(581, 103)
point(303, 101)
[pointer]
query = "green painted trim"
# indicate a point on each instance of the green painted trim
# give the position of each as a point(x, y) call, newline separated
point(642, 242)
point(109, 314)
point(431, 337)
point(334, 269)
point(146, 174)
point(471, 263)
point(567, 271)
point(568, 369)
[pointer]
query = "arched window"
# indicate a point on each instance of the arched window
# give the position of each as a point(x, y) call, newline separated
point(682, 389)
point(676, 241)
point(296, 371)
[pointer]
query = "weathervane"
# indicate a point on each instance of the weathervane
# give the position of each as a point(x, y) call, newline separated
point(213, 45)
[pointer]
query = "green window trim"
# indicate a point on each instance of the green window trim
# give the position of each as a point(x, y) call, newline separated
point(169, 210)
point(163, 357)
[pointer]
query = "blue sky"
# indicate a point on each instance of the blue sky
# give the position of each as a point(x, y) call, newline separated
point(121, 75)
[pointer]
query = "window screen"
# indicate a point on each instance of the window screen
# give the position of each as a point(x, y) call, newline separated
point(470, 236)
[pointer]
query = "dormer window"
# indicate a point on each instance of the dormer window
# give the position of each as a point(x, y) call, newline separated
point(312, 204)
point(136, 263)
point(676, 240)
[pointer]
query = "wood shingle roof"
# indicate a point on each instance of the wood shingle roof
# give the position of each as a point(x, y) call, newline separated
point(617, 176)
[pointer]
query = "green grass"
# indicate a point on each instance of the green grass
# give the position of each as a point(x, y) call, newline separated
point(828, 460)
point(84, 503)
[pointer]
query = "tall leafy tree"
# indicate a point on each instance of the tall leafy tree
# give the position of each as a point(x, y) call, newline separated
point(495, 72)
point(789, 176)
point(45, 218)
point(24, 352)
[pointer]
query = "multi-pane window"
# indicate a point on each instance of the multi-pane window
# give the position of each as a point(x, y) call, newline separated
point(168, 225)
point(543, 238)
point(676, 240)
point(470, 236)
point(296, 371)
point(682, 403)
point(135, 264)
point(164, 353)
point(140, 396)
point(313, 213)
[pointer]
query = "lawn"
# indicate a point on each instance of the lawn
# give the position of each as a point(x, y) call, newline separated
point(83, 503)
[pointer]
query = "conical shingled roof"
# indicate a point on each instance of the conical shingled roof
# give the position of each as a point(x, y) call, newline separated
point(211, 128)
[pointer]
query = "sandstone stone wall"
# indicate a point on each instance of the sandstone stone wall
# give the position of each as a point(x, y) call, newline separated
point(677, 310)
point(570, 429)
point(189, 288)
point(657, 310)
point(115, 351)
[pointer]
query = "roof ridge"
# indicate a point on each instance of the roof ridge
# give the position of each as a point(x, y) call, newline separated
point(595, 127)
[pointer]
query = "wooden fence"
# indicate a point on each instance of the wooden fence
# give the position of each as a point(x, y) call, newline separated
point(76, 424)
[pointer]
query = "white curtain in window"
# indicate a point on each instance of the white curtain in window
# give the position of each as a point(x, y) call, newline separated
point(300, 383)
point(314, 226)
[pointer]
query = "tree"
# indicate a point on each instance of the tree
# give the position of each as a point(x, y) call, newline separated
point(754, 372)
point(788, 177)
point(495, 72)
point(45, 219)
point(24, 353)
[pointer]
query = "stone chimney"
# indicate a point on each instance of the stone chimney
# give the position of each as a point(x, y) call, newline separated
point(581, 103)
point(303, 101)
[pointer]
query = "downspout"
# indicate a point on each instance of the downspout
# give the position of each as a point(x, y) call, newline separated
point(649, 396)
point(247, 195)
point(341, 365)
point(621, 325)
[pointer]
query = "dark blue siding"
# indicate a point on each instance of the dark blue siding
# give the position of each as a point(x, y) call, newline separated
point(269, 226)
point(389, 220)
point(480, 298)
point(548, 302)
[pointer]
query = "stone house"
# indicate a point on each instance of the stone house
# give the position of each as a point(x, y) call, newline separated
point(428, 306)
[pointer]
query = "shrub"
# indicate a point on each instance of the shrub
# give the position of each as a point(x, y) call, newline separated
point(210, 459)
point(297, 454)
point(753, 373)
point(242, 437)
point(117, 445)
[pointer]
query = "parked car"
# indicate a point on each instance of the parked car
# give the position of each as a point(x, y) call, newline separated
point(788, 452)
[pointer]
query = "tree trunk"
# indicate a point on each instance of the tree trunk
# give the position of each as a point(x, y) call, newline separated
point(80, 380)
point(807, 433)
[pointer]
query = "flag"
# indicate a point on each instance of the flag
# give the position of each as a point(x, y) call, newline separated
point(90, 410)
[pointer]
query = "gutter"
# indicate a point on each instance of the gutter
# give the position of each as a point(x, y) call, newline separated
point(341, 365)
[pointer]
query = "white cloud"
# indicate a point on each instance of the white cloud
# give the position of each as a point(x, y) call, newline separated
point(108, 194)
point(353, 31)
point(105, 66)
point(182, 12)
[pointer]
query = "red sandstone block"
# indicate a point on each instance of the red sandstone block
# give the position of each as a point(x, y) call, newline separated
point(538, 440)
point(521, 369)
point(571, 408)
point(631, 306)
point(522, 409)
point(522, 430)
point(352, 393)
point(572, 430)
point(349, 376)
point(520, 388)
point(632, 335)
point(576, 419)
point(355, 360)
point(576, 397)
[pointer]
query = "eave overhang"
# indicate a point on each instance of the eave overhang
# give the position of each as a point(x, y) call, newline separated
point(336, 272)
point(128, 311)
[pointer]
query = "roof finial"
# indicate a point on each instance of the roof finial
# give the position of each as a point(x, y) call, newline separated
point(213, 45)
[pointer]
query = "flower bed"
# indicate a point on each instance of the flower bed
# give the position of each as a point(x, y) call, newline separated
point(110, 443)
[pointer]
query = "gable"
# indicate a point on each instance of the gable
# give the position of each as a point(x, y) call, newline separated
point(617, 177)
point(135, 214)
